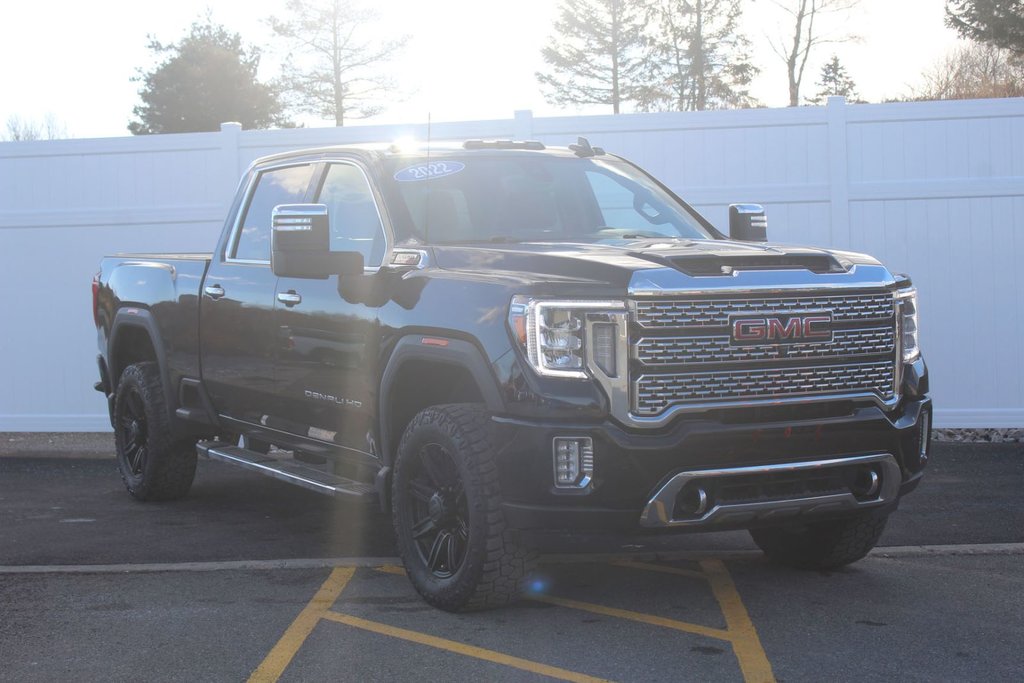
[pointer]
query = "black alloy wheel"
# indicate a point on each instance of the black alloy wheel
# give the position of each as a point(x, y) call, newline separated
point(155, 463)
point(134, 431)
point(440, 514)
point(447, 512)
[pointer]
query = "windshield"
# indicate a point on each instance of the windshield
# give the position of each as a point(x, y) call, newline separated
point(532, 197)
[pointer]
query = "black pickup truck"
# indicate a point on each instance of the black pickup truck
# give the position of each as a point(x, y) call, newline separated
point(496, 339)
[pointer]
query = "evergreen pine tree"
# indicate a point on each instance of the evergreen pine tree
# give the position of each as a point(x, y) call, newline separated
point(207, 78)
point(834, 81)
point(596, 54)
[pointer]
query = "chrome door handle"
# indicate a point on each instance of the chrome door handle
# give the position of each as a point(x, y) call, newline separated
point(289, 298)
point(213, 291)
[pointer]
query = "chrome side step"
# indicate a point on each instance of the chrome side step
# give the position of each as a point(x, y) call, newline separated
point(285, 469)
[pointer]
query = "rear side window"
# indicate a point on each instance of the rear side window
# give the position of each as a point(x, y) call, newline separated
point(355, 221)
point(278, 186)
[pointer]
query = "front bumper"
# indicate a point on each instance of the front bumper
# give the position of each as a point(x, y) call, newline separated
point(634, 472)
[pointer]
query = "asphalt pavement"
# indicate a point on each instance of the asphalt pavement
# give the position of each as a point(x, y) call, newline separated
point(250, 578)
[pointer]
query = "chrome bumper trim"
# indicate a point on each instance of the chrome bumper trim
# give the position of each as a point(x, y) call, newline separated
point(659, 510)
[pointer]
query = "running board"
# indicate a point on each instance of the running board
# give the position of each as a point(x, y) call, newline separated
point(285, 469)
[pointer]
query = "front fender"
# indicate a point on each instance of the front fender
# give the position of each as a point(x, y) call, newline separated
point(435, 349)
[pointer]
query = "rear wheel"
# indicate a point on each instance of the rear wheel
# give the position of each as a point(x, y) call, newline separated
point(154, 465)
point(822, 545)
point(446, 506)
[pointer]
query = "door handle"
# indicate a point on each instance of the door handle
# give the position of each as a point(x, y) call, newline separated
point(289, 298)
point(213, 291)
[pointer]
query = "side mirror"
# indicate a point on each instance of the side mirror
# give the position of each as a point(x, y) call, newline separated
point(748, 223)
point(301, 244)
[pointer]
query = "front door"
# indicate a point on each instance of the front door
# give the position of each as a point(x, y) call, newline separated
point(236, 314)
point(327, 330)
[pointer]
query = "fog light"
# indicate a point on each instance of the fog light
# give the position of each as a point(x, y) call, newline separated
point(573, 461)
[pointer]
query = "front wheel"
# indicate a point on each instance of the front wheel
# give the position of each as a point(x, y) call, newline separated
point(154, 465)
point(446, 508)
point(822, 545)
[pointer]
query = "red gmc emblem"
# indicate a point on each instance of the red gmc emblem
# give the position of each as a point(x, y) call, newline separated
point(781, 329)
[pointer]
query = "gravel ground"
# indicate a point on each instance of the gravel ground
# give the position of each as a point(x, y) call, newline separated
point(979, 435)
point(57, 444)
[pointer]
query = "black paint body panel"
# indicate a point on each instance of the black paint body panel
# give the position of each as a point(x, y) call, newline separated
point(316, 376)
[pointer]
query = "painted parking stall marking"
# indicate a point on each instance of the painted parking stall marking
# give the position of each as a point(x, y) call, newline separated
point(740, 632)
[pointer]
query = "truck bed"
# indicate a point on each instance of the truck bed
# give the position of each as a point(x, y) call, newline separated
point(162, 293)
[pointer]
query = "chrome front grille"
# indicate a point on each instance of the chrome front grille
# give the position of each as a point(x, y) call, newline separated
point(658, 314)
point(683, 358)
point(716, 349)
point(655, 393)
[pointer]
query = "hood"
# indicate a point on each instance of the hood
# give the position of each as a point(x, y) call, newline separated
point(661, 264)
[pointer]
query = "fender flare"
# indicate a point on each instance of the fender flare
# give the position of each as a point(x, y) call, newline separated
point(132, 317)
point(457, 352)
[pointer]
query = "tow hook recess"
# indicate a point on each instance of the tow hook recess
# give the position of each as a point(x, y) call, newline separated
point(693, 501)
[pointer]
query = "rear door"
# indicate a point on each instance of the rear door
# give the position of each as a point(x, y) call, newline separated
point(327, 329)
point(236, 315)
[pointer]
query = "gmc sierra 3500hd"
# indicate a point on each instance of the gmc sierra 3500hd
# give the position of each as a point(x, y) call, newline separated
point(497, 338)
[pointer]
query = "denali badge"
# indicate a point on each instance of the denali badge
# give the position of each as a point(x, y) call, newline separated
point(346, 402)
point(781, 329)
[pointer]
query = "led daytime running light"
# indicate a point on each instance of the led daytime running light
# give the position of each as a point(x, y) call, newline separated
point(909, 324)
point(553, 333)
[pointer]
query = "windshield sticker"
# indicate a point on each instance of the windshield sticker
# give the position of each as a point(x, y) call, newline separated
point(429, 171)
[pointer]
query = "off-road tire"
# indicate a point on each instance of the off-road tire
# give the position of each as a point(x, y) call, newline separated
point(822, 545)
point(168, 464)
point(496, 562)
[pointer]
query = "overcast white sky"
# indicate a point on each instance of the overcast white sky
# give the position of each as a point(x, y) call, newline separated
point(468, 59)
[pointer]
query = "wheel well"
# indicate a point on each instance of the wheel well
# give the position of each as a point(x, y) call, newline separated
point(133, 345)
point(421, 384)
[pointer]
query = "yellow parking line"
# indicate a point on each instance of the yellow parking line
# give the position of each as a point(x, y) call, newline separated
point(634, 616)
point(739, 632)
point(745, 641)
point(277, 661)
point(460, 648)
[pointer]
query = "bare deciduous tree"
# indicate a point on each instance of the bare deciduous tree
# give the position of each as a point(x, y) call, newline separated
point(973, 71)
point(699, 59)
point(795, 48)
point(333, 69)
point(19, 129)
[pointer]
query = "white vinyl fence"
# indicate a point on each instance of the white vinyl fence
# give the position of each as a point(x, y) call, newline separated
point(935, 189)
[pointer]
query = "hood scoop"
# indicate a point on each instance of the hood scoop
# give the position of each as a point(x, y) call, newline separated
point(710, 259)
point(712, 264)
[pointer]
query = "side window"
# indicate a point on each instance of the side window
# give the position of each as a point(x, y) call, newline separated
point(279, 186)
point(355, 221)
point(616, 203)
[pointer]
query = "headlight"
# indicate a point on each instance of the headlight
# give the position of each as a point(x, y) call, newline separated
point(907, 310)
point(554, 335)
